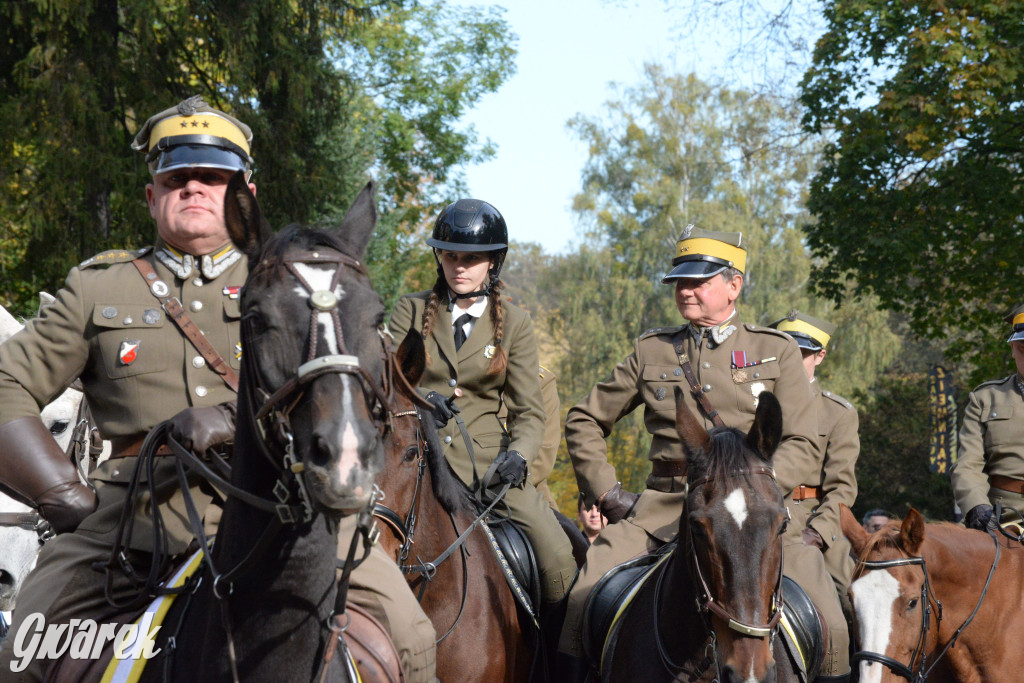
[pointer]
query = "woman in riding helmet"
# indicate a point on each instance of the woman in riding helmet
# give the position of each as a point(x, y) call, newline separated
point(481, 353)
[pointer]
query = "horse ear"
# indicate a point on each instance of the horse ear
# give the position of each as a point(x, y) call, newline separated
point(412, 356)
point(357, 226)
point(766, 432)
point(246, 225)
point(912, 531)
point(855, 533)
point(691, 432)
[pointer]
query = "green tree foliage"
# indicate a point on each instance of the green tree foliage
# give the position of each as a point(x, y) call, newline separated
point(333, 90)
point(919, 198)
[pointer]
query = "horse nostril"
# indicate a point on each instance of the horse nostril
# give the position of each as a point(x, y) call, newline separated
point(321, 451)
point(6, 582)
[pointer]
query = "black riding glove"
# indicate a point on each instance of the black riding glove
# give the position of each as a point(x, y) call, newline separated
point(617, 503)
point(510, 467)
point(978, 517)
point(199, 429)
point(443, 410)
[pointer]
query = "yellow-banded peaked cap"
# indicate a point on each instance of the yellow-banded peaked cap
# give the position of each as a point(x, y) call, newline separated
point(195, 134)
point(809, 332)
point(1016, 320)
point(703, 253)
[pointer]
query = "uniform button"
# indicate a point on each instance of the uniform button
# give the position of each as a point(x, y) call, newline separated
point(705, 365)
point(198, 282)
point(196, 306)
point(198, 362)
point(447, 439)
point(706, 388)
point(993, 414)
point(127, 320)
point(452, 383)
point(109, 312)
point(677, 372)
point(663, 376)
point(117, 473)
point(201, 390)
point(758, 374)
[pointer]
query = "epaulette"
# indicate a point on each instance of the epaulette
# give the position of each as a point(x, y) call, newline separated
point(838, 399)
point(543, 371)
point(112, 256)
point(751, 327)
point(993, 382)
point(660, 330)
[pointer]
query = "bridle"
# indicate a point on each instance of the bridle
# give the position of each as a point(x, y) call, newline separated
point(30, 521)
point(707, 606)
point(928, 598)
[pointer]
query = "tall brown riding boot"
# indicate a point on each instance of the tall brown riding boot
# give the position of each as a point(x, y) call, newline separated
point(35, 471)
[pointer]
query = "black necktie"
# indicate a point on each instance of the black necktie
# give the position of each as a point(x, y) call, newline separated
point(460, 332)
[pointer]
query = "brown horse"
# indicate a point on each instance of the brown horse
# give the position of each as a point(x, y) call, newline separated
point(922, 588)
point(712, 607)
point(427, 522)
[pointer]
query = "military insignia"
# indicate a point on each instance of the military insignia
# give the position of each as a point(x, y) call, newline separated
point(756, 388)
point(150, 316)
point(740, 360)
point(128, 351)
point(489, 351)
point(231, 292)
point(720, 334)
point(660, 394)
point(238, 351)
point(159, 289)
point(109, 312)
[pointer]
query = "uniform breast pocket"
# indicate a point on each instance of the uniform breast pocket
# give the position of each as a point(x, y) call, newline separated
point(133, 339)
point(658, 384)
point(999, 426)
point(232, 315)
point(758, 377)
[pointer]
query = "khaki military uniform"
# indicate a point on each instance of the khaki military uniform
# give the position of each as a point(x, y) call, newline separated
point(840, 443)
point(991, 445)
point(483, 395)
point(648, 377)
point(544, 462)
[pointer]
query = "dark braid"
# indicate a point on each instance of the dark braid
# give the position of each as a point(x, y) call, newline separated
point(433, 304)
point(500, 359)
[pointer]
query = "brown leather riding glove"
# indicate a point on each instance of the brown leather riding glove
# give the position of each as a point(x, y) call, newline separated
point(812, 538)
point(617, 503)
point(201, 428)
point(35, 471)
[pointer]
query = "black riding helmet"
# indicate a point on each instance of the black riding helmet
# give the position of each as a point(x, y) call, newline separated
point(471, 225)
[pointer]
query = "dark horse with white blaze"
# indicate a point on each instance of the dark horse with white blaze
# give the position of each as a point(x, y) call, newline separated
point(711, 609)
point(426, 519)
point(315, 380)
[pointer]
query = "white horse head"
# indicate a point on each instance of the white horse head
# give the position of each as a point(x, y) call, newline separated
point(20, 545)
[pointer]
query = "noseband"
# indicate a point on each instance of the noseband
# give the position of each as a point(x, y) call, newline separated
point(928, 598)
point(30, 521)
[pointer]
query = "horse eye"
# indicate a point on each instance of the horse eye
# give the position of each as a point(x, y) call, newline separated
point(59, 426)
point(783, 526)
point(912, 604)
point(410, 454)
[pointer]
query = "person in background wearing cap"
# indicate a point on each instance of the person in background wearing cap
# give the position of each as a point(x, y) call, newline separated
point(990, 468)
point(732, 363)
point(814, 508)
point(481, 356)
point(107, 326)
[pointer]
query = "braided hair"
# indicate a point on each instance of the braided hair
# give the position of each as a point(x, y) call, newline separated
point(499, 361)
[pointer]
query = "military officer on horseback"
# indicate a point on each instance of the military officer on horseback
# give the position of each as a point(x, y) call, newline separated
point(990, 468)
point(815, 509)
point(153, 334)
point(722, 364)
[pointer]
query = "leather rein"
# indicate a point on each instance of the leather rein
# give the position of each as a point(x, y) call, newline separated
point(928, 598)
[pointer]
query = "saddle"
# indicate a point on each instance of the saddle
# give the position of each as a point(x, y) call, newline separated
point(804, 631)
point(517, 560)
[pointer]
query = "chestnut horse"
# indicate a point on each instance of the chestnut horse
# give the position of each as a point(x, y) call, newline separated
point(711, 609)
point(427, 521)
point(922, 588)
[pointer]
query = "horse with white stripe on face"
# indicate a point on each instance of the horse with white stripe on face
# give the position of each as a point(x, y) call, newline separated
point(920, 589)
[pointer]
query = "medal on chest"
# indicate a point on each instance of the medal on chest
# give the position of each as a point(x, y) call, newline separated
point(128, 351)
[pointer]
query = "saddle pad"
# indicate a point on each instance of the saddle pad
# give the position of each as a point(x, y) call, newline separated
point(610, 598)
point(129, 670)
point(801, 630)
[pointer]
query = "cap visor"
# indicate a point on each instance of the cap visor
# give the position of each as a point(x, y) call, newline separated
point(206, 156)
point(1016, 336)
point(693, 269)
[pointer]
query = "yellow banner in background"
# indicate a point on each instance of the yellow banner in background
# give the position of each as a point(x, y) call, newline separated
point(941, 420)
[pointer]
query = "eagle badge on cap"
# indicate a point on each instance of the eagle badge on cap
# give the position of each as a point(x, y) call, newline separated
point(128, 351)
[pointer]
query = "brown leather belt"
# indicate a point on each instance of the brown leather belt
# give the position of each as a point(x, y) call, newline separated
point(669, 468)
point(802, 492)
point(1006, 483)
point(129, 447)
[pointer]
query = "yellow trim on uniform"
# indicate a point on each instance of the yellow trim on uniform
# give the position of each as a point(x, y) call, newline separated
point(200, 123)
point(706, 246)
point(130, 670)
point(1018, 319)
point(810, 330)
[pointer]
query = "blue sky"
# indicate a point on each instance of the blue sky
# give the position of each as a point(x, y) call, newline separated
point(569, 52)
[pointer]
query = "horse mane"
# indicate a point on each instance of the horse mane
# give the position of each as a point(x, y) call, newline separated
point(728, 453)
point(453, 495)
point(297, 236)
